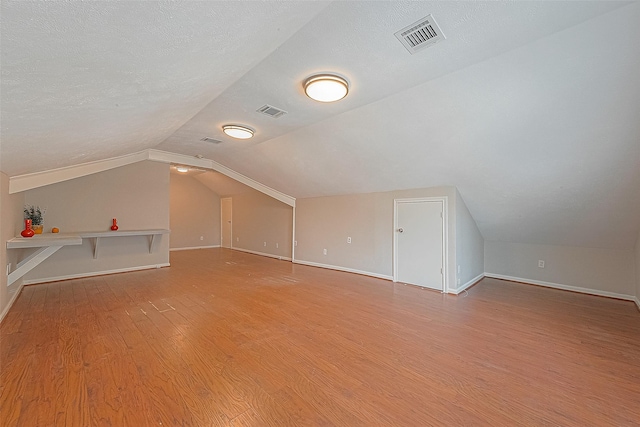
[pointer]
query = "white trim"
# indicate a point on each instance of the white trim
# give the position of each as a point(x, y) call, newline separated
point(467, 285)
point(167, 157)
point(637, 301)
point(345, 269)
point(28, 181)
point(293, 236)
point(181, 159)
point(193, 248)
point(562, 287)
point(13, 299)
point(280, 257)
point(94, 273)
point(445, 236)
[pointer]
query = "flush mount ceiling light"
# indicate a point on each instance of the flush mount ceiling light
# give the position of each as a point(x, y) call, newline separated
point(182, 169)
point(237, 131)
point(326, 87)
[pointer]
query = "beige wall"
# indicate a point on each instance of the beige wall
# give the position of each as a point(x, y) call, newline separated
point(469, 245)
point(600, 270)
point(326, 222)
point(194, 213)
point(258, 218)
point(11, 206)
point(137, 195)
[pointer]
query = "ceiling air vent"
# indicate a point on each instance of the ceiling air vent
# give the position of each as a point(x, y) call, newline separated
point(271, 111)
point(420, 34)
point(211, 140)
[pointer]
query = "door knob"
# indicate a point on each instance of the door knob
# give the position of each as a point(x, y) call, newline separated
point(400, 230)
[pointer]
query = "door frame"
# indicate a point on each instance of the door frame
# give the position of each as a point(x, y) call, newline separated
point(444, 200)
point(222, 223)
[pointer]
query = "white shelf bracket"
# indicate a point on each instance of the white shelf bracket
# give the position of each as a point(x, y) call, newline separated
point(153, 244)
point(95, 242)
point(31, 262)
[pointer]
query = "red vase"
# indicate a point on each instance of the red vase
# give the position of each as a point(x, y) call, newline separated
point(114, 227)
point(27, 232)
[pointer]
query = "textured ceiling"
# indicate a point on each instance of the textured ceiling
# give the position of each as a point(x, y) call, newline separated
point(531, 109)
point(84, 81)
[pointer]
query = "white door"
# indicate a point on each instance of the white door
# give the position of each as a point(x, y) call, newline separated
point(419, 243)
point(225, 219)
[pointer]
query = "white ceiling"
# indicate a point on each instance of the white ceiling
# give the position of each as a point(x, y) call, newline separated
point(531, 109)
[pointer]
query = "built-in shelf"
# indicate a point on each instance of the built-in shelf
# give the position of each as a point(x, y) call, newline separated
point(42, 240)
point(95, 237)
point(47, 245)
point(50, 243)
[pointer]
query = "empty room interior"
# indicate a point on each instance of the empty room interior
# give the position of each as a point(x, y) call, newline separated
point(320, 213)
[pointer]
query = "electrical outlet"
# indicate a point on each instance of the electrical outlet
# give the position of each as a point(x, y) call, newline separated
point(277, 246)
point(348, 239)
point(295, 243)
point(541, 263)
point(237, 239)
point(324, 251)
point(265, 244)
point(201, 237)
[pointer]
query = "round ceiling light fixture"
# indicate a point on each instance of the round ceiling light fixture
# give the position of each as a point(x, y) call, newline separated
point(326, 87)
point(238, 131)
point(182, 169)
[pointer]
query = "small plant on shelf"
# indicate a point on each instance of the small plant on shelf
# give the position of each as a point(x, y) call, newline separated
point(34, 214)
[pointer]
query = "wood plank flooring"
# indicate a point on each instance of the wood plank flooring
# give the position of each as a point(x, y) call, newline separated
point(224, 338)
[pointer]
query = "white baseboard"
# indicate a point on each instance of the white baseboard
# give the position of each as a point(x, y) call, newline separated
point(94, 273)
point(637, 301)
point(13, 299)
point(193, 247)
point(468, 284)
point(345, 269)
point(563, 287)
point(283, 258)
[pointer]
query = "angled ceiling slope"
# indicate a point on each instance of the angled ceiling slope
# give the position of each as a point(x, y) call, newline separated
point(524, 107)
point(84, 81)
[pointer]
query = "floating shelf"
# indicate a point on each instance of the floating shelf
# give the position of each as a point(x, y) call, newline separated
point(42, 240)
point(95, 237)
point(50, 243)
point(47, 245)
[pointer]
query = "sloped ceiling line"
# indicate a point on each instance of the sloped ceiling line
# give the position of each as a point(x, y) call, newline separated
point(524, 108)
point(39, 179)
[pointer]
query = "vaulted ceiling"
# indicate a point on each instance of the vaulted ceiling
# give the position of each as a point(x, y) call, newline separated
point(531, 109)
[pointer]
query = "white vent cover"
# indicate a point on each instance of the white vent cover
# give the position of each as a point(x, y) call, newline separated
point(272, 111)
point(420, 34)
point(211, 140)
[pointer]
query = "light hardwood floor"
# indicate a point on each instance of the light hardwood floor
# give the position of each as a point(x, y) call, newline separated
point(224, 338)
